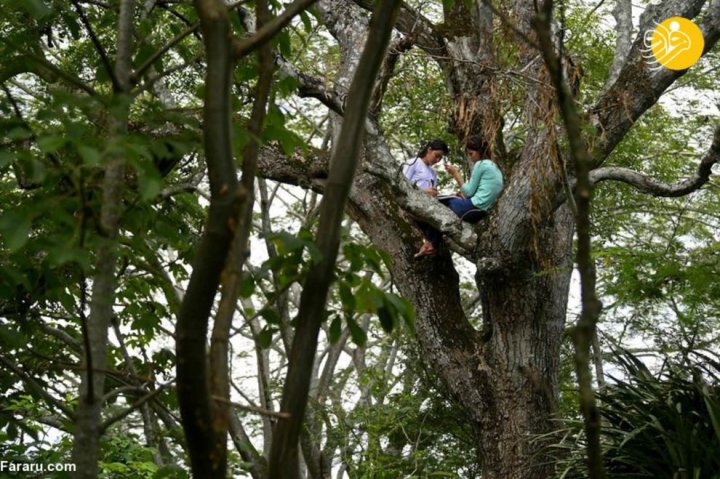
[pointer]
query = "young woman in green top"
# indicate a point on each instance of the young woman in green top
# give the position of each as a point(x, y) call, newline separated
point(486, 179)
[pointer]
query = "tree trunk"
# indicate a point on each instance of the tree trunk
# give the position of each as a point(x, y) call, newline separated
point(524, 313)
point(505, 376)
point(88, 420)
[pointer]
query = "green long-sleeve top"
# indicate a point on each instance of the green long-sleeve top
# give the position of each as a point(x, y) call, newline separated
point(485, 184)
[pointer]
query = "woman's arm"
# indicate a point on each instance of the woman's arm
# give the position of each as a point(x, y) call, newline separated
point(455, 173)
point(469, 188)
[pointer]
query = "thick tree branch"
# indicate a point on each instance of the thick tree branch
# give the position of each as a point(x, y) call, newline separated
point(242, 225)
point(88, 430)
point(647, 184)
point(193, 377)
point(637, 87)
point(311, 172)
point(419, 28)
point(312, 87)
point(623, 29)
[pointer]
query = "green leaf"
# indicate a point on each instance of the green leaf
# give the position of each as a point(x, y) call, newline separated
point(6, 158)
point(284, 43)
point(404, 308)
point(72, 24)
point(346, 296)
point(247, 286)
point(11, 339)
point(51, 143)
point(265, 338)
point(170, 472)
point(149, 186)
point(19, 133)
point(307, 23)
point(357, 334)
point(91, 156)
point(36, 8)
point(270, 315)
point(335, 330)
point(15, 227)
point(69, 254)
point(387, 318)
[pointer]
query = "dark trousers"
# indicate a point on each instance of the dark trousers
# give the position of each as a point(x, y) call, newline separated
point(430, 233)
point(459, 206)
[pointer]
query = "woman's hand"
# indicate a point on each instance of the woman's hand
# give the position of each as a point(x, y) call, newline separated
point(454, 172)
point(431, 191)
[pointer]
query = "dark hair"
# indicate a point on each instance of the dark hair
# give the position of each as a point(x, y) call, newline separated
point(434, 145)
point(476, 143)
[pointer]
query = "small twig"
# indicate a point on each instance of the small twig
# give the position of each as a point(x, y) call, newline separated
point(255, 409)
point(142, 69)
point(40, 389)
point(98, 46)
point(267, 31)
point(137, 74)
point(112, 420)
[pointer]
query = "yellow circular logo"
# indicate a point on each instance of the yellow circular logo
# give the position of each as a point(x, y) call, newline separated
point(677, 43)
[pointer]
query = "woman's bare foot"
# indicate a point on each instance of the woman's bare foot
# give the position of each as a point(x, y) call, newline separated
point(427, 249)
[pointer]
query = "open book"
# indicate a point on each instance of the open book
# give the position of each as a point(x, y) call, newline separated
point(445, 198)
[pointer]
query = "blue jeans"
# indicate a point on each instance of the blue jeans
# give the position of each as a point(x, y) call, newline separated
point(460, 206)
point(430, 233)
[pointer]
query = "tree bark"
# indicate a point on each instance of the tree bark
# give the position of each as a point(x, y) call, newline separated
point(193, 378)
point(88, 420)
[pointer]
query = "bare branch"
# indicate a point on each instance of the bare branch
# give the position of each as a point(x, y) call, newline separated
point(136, 405)
point(284, 453)
point(137, 74)
point(654, 187)
point(255, 409)
point(312, 87)
point(417, 27)
point(98, 46)
point(246, 449)
point(267, 31)
point(193, 375)
point(174, 41)
point(42, 67)
point(388, 71)
point(38, 388)
point(63, 336)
